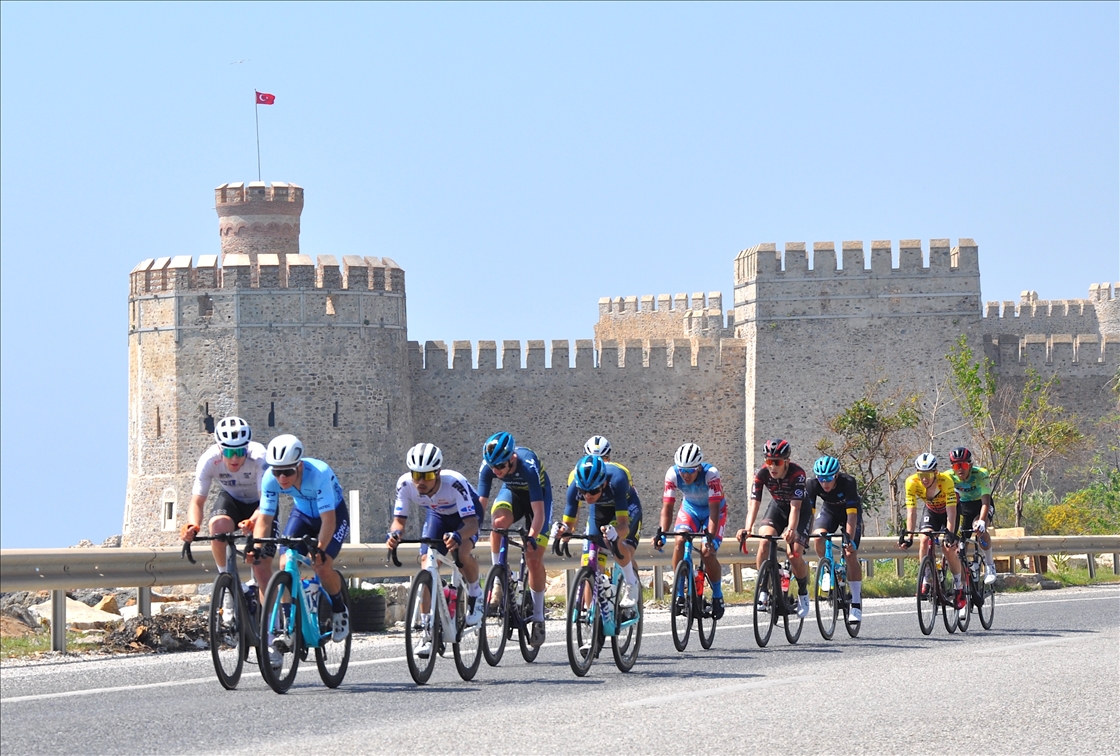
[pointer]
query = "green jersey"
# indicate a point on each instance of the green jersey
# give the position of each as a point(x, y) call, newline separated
point(979, 483)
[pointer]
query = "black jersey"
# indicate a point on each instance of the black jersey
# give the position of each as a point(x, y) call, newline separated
point(844, 495)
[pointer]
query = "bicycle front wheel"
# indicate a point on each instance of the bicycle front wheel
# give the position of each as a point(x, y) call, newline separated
point(851, 625)
point(964, 616)
point(825, 601)
point(495, 622)
point(766, 596)
point(628, 640)
point(421, 640)
point(582, 622)
point(332, 658)
point(468, 647)
point(528, 650)
point(791, 619)
point(705, 622)
point(948, 601)
point(681, 608)
point(987, 610)
point(280, 633)
point(927, 595)
point(227, 631)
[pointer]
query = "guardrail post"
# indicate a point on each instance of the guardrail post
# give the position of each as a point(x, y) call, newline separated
point(1011, 566)
point(1116, 564)
point(569, 581)
point(58, 620)
point(1091, 562)
point(144, 600)
point(870, 568)
point(900, 567)
point(658, 583)
point(737, 577)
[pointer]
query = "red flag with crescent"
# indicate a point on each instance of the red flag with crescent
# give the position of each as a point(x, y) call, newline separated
point(264, 98)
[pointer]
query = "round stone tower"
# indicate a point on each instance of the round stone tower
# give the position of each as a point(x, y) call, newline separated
point(255, 218)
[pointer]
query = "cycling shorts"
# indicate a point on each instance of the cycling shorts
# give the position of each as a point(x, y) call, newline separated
point(697, 521)
point(437, 525)
point(830, 518)
point(934, 521)
point(227, 506)
point(777, 517)
point(606, 516)
point(300, 525)
point(518, 503)
point(968, 512)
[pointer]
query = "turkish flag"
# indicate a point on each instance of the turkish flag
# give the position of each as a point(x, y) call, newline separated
point(263, 98)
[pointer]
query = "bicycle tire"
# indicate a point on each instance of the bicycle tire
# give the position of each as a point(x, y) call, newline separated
point(964, 616)
point(582, 623)
point(414, 632)
point(703, 612)
point(227, 634)
point(765, 616)
point(276, 622)
point(927, 603)
point(948, 600)
point(826, 619)
point(852, 626)
point(626, 643)
point(791, 620)
point(495, 622)
point(332, 658)
point(528, 651)
point(467, 648)
point(987, 610)
point(681, 605)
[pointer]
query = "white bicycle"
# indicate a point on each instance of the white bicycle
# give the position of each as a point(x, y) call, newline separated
point(424, 639)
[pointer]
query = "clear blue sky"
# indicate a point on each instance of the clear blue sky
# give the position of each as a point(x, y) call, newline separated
point(519, 161)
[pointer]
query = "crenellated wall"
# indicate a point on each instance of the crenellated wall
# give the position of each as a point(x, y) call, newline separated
point(256, 218)
point(662, 317)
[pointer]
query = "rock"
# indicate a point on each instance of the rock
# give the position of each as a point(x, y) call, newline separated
point(168, 633)
point(78, 615)
point(87, 596)
point(21, 613)
point(85, 543)
point(108, 604)
point(112, 542)
point(1050, 585)
point(556, 586)
point(169, 642)
point(10, 627)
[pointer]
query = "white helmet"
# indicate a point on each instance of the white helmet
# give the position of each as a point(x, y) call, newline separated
point(926, 462)
point(284, 451)
point(598, 446)
point(424, 458)
point(689, 455)
point(232, 433)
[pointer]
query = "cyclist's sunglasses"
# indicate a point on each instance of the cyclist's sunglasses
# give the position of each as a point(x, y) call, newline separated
point(687, 470)
point(962, 465)
point(284, 472)
point(826, 478)
point(231, 453)
point(593, 491)
point(774, 460)
point(430, 475)
point(502, 466)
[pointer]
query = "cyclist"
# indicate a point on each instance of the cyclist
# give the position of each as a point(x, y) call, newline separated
point(975, 507)
point(787, 514)
point(454, 515)
point(526, 492)
point(238, 464)
point(318, 509)
point(703, 509)
point(841, 506)
point(614, 510)
point(939, 501)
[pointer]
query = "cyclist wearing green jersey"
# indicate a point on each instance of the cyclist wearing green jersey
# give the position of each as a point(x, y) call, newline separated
point(975, 509)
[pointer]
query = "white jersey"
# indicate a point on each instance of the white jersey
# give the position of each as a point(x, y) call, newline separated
point(244, 485)
point(454, 496)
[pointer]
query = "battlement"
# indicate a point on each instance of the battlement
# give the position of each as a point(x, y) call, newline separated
point(1031, 315)
point(267, 271)
point(650, 354)
point(256, 196)
point(1072, 354)
point(764, 261)
point(661, 316)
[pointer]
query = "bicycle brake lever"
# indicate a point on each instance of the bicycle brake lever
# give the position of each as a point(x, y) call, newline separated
point(567, 551)
point(393, 555)
point(187, 552)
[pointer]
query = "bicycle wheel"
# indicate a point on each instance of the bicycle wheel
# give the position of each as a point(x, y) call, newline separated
point(681, 608)
point(280, 633)
point(791, 620)
point(528, 651)
point(765, 615)
point(705, 622)
point(964, 616)
point(227, 631)
point(628, 639)
point(852, 626)
point(416, 635)
point(468, 647)
point(495, 622)
point(582, 622)
point(987, 610)
point(927, 595)
point(825, 602)
point(948, 601)
point(332, 658)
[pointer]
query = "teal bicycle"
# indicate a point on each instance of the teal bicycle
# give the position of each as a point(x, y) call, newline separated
point(297, 616)
point(692, 598)
point(833, 594)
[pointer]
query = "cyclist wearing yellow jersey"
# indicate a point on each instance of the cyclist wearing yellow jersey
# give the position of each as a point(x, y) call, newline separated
point(975, 508)
point(938, 496)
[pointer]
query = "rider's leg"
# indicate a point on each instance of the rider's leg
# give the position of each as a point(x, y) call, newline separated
point(819, 543)
point(950, 553)
point(220, 524)
point(501, 518)
point(712, 568)
point(764, 545)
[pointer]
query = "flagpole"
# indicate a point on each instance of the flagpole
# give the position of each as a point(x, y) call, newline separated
point(257, 120)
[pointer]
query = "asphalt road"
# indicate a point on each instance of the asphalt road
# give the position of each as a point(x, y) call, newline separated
point(1045, 679)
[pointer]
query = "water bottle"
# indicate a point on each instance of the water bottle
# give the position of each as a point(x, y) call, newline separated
point(606, 595)
point(784, 572)
point(311, 592)
point(826, 581)
point(452, 597)
point(699, 583)
point(251, 600)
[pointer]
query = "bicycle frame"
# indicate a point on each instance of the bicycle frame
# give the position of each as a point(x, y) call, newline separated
point(611, 626)
point(434, 562)
point(251, 631)
point(514, 605)
point(783, 607)
point(308, 615)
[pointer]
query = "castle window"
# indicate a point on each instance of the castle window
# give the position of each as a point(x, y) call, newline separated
point(207, 419)
point(159, 425)
point(168, 509)
point(272, 414)
point(330, 304)
point(205, 305)
point(334, 418)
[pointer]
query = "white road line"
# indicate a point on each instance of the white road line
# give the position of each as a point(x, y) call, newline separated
point(94, 691)
point(1017, 646)
point(756, 685)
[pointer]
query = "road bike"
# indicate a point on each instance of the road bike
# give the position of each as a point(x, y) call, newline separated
point(775, 594)
point(509, 602)
point(935, 586)
point(424, 639)
point(600, 605)
point(977, 593)
point(297, 616)
point(692, 596)
point(234, 622)
point(833, 595)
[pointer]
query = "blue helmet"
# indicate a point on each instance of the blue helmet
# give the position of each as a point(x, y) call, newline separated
point(498, 448)
point(826, 467)
point(591, 473)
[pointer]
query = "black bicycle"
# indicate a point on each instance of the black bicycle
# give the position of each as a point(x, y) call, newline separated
point(234, 613)
point(935, 585)
point(978, 594)
point(509, 602)
point(775, 594)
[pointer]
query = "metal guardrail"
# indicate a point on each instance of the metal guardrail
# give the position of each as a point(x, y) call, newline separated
point(59, 570)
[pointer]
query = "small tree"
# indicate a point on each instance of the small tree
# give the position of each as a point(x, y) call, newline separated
point(876, 443)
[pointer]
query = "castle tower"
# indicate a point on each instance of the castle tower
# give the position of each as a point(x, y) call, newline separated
point(293, 346)
point(255, 218)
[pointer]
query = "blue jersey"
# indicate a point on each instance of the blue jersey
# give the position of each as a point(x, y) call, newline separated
point(706, 490)
point(319, 490)
point(527, 478)
point(618, 495)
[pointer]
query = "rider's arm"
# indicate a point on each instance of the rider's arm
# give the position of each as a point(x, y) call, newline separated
point(986, 507)
point(470, 527)
point(194, 513)
point(398, 525)
point(538, 519)
point(328, 521)
point(853, 522)
point(668, 501)
point(571, 506)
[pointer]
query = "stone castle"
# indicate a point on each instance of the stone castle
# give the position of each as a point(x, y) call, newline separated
point(320, 349)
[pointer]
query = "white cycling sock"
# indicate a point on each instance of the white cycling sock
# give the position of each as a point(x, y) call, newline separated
point(538, 605)
point(222, 569)
point(856, 586)
point(474, 589)
point(425, 620)
point(991, 562)
point(495, 557)
point(956, 582)
point(631, 575)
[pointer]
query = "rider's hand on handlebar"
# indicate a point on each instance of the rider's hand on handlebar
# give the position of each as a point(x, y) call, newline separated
point(188, 532)
point(905, 542)
point(247, 525)
point(609, 532)
point(452, 540)
point(981, 527)
point(659, 540)
point(393, 539)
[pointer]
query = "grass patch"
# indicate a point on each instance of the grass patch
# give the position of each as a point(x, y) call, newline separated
point(1073, 576)
point(18, 648)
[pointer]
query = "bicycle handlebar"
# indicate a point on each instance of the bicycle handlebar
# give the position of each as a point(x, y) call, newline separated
point(422, 540)
point(230, 538)
point(561, 542)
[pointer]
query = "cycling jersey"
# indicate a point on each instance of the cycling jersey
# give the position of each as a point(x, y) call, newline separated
point(944, 494)
point(243, 485)
point(618, 495)
point(527, 478)
point(454, 496)
point(844, 494)
point(319, 491)
point(703, 492)
point(789, 488)
point(979, 484)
